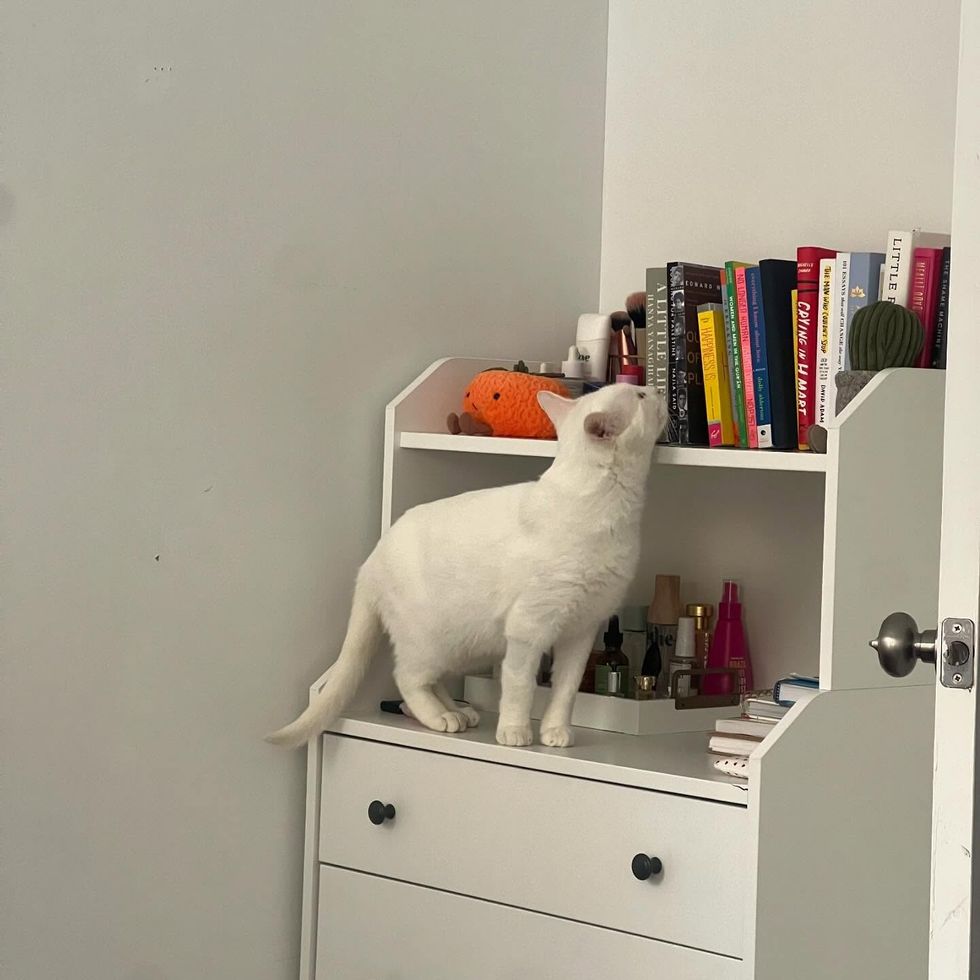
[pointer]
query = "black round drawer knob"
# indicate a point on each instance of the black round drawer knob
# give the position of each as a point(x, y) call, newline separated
point(379, 812)
point(645, 867)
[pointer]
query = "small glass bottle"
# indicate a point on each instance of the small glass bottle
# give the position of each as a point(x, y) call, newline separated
point(682, 658)
point(613, 668)
point(644, 687)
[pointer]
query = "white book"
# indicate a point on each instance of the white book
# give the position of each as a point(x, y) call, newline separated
point(744, 726)
point(764, 709)
point(825, 308)
point(742, 745)
point(897, 270)
point(838, 327)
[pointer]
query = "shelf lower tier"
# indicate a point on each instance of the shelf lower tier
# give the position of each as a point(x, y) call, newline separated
point(677, 764)
point(745, 459)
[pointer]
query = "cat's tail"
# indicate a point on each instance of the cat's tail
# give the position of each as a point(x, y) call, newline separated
point(342, 679)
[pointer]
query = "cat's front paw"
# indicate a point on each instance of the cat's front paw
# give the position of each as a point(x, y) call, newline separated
point(558, 737)
point(514, 734)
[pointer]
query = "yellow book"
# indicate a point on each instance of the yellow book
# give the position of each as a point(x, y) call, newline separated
point(714, 364)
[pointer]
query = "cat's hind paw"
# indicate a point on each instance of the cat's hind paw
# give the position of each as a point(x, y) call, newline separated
point(471, 714)
point(514, 734)
point(559, 737)
point(452, 722)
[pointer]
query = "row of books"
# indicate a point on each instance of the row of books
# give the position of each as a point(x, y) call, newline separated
point(735, 739)
point(746, 355)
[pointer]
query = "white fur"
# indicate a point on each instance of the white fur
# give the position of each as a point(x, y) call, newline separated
point(506, 573)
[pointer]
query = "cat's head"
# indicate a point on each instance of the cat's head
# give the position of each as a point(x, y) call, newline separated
point(625, 416)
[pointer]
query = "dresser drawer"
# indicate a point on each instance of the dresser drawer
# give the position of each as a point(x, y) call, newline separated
point(554, 844)
point(370, 928)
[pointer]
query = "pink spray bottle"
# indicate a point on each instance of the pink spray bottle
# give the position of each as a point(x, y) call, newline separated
point(729, 647)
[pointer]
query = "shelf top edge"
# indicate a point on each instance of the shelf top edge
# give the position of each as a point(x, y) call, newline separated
point(749, 459)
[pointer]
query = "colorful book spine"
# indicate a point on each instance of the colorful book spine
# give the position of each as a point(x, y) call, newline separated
point(807, 316)
point(677, 352)
point(942, 314)
point(897, 279)
point(838, 327)
point(714, 364)
point(863, 278)
point(796, 350)
point(826, 307)
point(777, 279)
point(658, 340)
point(730, 356)
point(731, 324)
point(690, 286)
point(924, 296)
point(745, 345)
point(760, 365)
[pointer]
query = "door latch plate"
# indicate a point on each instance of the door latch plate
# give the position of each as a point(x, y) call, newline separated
point(956, 653)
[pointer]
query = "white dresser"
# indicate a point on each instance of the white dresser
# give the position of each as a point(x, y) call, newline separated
point(442, 856)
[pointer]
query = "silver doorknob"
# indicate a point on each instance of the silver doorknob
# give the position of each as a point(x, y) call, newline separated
point(900, 643)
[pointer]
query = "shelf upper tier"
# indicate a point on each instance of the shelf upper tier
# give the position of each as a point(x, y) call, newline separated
point(747, 459)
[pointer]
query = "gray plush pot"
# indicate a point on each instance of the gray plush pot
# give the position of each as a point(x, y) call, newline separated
point(849, 383)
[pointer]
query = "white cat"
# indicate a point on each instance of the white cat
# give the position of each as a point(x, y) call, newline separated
point(509, 573)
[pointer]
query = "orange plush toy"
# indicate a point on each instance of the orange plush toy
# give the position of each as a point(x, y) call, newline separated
point(499, 402)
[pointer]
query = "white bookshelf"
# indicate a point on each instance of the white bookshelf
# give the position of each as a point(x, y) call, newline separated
point(824, 547)
point(738, 459)
point(776, 521)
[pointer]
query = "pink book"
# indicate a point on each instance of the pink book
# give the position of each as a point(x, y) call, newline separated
point(745, 336)
point(924, 296)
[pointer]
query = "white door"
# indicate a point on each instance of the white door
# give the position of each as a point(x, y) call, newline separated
point(955, 905)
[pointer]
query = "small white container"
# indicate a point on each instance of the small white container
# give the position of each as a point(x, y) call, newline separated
point(592, 340)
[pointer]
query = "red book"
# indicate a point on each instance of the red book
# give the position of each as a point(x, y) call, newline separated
point(807, 315)
point(924, 296)
point(745, 338)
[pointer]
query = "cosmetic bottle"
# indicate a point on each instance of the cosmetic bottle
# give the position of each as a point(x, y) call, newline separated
point(683, 658)
point(592, 340)
point(613, 669)
point(701, 613)
point(729, 647)
point(662, 618)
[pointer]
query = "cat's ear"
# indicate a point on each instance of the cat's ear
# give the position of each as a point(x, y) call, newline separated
point(555, 407)
point(604, 426)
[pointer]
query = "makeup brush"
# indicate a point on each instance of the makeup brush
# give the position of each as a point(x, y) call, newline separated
point(619, 349)
point(636, 307)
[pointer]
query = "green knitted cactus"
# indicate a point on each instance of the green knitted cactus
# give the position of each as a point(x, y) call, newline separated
point(884, 335)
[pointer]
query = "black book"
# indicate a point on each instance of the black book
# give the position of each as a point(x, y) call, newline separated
point(690, 287)
point(778, 277)
point(942, 314)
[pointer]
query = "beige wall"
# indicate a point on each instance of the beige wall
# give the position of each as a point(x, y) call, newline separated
point(741, 130)
point(233, 231)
